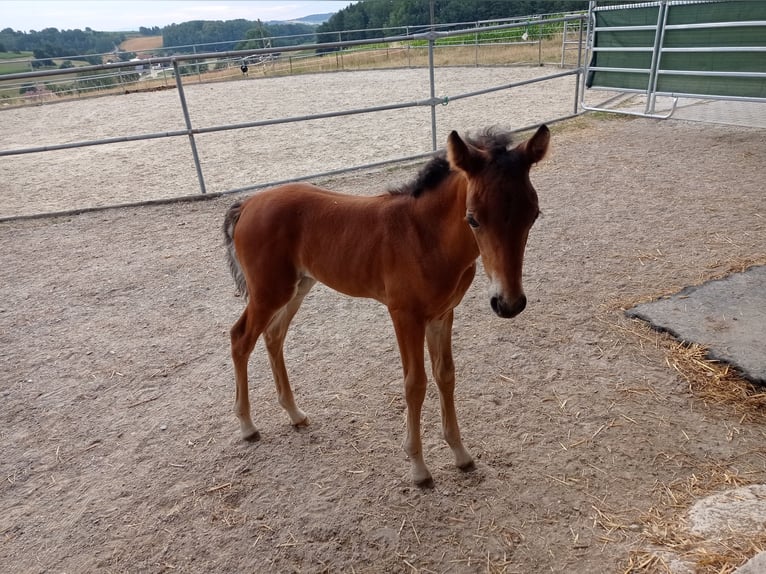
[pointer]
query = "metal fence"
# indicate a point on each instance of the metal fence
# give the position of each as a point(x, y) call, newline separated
point(703, 49)
point(181, 63)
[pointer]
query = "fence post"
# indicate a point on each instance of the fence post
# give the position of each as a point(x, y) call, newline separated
point(431, 42)
point(659, 40)
point(579, 78)
point(476, 47)
point(187, 119)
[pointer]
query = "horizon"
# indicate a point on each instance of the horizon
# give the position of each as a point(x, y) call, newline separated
point(130, 15)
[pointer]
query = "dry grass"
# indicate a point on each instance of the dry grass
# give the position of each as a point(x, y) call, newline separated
point(665, 528)
point(548, 52)
point(141, 43)
point(712, 381)
point(715, 382)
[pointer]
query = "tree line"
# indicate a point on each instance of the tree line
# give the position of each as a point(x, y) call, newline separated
point(54, 43)
point(220, 36)
point(367, 18)
point(212, 36)
point(361, 20)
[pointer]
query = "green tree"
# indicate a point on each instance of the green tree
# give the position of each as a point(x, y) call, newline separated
point(256, 37)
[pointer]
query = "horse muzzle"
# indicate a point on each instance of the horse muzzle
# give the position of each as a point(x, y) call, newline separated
point(507, 309)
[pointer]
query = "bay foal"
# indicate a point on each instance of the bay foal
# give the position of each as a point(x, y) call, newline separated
point(414, 249)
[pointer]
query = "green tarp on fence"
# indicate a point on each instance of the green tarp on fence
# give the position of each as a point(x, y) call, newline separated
point(725, 36)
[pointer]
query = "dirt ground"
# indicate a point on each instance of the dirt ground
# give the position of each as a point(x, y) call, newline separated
point(120, 451)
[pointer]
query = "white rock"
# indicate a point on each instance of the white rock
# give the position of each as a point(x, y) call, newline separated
point(739, 511)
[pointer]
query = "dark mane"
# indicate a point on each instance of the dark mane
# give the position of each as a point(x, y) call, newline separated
point(429, 177)
point(492, 140)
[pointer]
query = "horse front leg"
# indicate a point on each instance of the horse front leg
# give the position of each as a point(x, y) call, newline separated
point(439, 338)
point(410, 334)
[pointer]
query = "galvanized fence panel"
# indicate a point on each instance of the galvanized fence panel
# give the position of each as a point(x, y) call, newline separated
point(702, 49)
point(177, 62)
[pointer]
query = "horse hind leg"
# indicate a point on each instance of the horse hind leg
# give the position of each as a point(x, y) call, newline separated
point(274, 337)
point(244, 335)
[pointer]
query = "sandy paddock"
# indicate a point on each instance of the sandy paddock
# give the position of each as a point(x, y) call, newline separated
point(120, 452)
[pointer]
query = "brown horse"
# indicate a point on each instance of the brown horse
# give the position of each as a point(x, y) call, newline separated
point(413, 249)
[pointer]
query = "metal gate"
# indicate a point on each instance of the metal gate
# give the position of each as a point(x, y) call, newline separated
point(712, 49)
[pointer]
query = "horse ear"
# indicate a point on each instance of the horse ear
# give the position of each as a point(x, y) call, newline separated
point(536, 147)
point(462, 155)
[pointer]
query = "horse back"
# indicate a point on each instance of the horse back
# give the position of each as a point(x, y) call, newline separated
point(338, 239)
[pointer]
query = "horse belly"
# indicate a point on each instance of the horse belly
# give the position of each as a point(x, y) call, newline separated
point(351, 275)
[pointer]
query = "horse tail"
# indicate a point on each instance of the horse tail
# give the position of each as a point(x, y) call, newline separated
point(229, 223)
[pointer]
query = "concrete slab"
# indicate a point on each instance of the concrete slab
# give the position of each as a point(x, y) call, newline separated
point(728, 112)
point(727, 316)
point(736, 113)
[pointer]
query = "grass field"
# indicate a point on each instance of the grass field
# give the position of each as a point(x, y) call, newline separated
point(19, 62)
point(13, 62)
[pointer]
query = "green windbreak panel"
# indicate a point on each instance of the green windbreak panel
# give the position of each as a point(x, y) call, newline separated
point(714, 61)
point(704, 40)
point(712, 86)
point(731, 11)
point(710, 60)
point(640, 61)
point(643, 15)
point(730, 36)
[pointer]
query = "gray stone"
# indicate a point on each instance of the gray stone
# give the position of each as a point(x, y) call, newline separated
point(756, 565)
point(739, 511)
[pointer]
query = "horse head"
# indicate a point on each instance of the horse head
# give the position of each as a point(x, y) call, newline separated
point(501, 207)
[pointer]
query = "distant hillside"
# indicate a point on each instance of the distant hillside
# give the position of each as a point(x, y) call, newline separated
point(315, 19)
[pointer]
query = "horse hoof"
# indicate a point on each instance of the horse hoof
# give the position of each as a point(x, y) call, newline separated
point(302, 423)
point(469, 466)
point(425, 483)
point(254, 436)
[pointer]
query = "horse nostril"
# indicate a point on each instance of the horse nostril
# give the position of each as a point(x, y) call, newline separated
point(522, 304)
point(505, 310)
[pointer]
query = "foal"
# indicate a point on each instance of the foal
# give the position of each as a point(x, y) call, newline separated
point(413, 249)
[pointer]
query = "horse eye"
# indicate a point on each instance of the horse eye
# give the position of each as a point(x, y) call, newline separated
point(471, 220)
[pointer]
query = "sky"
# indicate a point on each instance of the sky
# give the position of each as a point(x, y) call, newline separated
point(126, 15)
